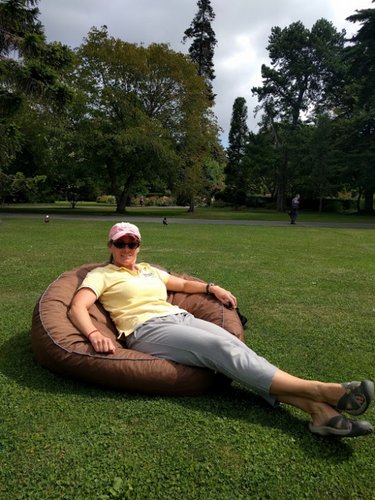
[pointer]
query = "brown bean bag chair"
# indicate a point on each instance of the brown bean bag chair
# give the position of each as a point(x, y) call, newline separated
point(58, 345)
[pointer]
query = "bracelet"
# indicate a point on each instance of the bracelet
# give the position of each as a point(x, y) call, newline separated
point(88, 335)
point(208, 288)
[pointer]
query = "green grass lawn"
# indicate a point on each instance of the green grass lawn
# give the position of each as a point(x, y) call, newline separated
point(309, 297)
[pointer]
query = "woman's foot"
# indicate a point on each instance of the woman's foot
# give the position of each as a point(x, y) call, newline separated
point(357, 397)
point(340, 426)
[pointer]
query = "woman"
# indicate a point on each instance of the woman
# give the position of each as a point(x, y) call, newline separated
point(135, 295)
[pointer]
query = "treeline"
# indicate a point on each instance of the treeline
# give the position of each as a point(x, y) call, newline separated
point(120, 119)
point(317, 128)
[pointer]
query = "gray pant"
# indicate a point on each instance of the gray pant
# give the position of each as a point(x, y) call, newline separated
point(185, 339)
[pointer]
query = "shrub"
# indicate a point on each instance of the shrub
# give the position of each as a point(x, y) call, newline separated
point(105, 198)
point(158, 201)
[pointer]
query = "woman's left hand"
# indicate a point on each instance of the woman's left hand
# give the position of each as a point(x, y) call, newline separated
point(177, 284)
point(224, 296)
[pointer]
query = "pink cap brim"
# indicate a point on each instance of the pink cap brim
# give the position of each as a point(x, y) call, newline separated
point(121, 234)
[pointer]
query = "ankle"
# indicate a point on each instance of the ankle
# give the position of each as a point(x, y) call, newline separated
point(321, 413)
point(331, 393)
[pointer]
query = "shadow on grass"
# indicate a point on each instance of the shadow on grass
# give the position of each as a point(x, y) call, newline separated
point(237, 403)
point(231, 402)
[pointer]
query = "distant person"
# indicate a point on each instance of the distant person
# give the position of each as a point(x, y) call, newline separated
point(165, 222)
point(294, 209)
point(135, 295)
point(141, 201)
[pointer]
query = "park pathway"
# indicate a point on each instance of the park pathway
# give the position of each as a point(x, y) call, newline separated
point(176, 220)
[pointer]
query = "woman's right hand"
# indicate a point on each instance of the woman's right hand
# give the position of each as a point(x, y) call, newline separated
point(79, 315)
point(101, 343)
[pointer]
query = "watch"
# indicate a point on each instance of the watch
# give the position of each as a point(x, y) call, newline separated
point(208, 288)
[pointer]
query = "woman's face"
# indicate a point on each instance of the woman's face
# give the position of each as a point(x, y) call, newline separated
point(124, 257)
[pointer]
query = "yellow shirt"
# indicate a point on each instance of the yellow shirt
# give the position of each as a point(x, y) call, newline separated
point(131, 297)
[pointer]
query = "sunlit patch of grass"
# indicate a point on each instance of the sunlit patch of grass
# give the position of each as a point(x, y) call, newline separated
point(309, 299)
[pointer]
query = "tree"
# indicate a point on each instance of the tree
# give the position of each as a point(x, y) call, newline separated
point(213, 172)
point(238, 137)
point(203, 43)
point(17, 187)
point(197, 150)
point(30, 71)
point(304, 80)
point(144, 110)
point(361, 55)
point(359, 106)
point(356, 143)
point(261, 161)
point(322, 161)
point(20, 30)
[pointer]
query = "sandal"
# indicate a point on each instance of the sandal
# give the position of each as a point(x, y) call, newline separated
point(349, 402)
point(340, 426)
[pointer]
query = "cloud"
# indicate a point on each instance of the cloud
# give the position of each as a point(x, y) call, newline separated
point(242, 28)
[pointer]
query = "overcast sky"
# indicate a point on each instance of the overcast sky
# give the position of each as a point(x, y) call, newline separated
point(242, 28)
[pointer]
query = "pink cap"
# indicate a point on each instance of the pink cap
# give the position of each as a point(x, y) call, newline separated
point(122, 229)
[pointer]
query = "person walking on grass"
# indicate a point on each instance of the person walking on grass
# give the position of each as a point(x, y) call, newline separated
point(294, 209)
point(135, 295)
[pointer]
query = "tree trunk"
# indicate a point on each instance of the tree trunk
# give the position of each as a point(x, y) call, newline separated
point(280, 201)
point(122, 201)
point(359, 201)
point(121, 204)
point(369, 201)
point(191, 205)
point(282, 186)
point(320, 204)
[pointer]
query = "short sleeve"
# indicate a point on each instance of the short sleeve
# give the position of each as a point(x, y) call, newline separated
point(95, 280)
point(163, 275)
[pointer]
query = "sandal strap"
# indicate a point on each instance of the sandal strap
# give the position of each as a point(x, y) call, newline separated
point(348, 401)
point(339, 422)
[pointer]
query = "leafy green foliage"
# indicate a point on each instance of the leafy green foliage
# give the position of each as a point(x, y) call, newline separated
point(31, 78)
point(145, 111)
point(306, 71)
point(119, 119)
point(358, 104)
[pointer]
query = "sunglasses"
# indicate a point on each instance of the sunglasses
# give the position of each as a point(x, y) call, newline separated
point(121, 244)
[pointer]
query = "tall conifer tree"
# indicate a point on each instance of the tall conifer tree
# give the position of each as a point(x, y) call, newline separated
point(203, 43)
point(238, 138)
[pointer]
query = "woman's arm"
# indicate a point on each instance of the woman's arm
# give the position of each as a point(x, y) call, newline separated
point(175, 284)
point(80, 317)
